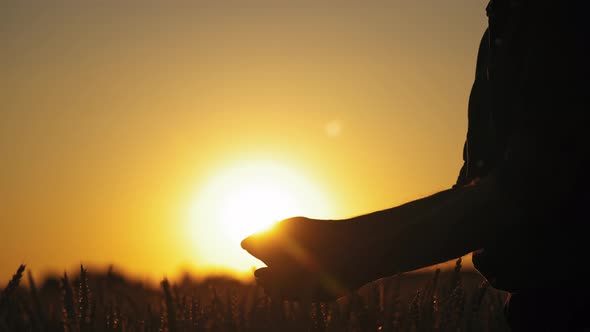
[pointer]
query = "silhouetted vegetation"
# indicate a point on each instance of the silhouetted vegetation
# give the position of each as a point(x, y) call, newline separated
point(443, 301)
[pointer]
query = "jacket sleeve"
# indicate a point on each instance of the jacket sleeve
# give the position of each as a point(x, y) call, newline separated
point(478, 150)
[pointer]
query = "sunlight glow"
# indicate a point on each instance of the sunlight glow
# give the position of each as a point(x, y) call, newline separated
point(247, 198)
point(253, 207)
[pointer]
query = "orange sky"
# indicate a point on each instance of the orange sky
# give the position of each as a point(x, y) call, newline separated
point(115, 117)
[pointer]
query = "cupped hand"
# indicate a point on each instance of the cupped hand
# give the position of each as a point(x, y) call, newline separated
point(309, 258)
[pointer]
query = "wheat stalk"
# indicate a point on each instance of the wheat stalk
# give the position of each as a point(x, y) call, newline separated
point(84, 312)
point(170, 307)
point(69, 310)
point(12, 285)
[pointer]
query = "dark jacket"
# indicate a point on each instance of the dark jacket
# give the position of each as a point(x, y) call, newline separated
point(531, 80)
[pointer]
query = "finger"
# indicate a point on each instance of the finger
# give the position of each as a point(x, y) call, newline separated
point(247, 243)
point(258, 247)
point(262, 272)
point(267, 248)
point(266, 279)
point(253, 242)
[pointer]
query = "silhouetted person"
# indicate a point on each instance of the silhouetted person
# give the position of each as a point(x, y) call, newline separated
point(520, 201)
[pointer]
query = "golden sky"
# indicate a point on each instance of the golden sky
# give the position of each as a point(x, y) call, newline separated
point(118, 120)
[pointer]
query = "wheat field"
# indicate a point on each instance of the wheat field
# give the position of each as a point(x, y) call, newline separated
point(453, 300)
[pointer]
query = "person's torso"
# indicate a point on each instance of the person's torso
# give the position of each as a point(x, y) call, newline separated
point(529, 76)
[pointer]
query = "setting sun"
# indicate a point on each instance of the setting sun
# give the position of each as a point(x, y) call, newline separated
point(255, 206)
point(243, 199)
point(154, 138)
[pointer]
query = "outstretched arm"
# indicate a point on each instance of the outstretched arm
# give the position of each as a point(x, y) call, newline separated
point(533, 179)
point(333, 257)
point(434, 229)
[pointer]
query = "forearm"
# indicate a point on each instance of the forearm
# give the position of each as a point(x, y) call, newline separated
point(434, 229)
point(536, 177)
